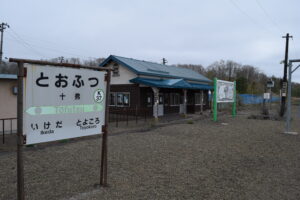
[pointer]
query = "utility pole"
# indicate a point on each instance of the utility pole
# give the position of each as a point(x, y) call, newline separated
point(3, 26)
point(61, 59)
point(284, 80)
point(164, 61)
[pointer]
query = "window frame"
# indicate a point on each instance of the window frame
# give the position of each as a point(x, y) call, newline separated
point(116, 70)
point(199, 96)
point(112, 93)
point(149, 95)
point(116, 104)
point(126, 93)
point(166, 99)
point(199, 104)
point(161, 97)
point(177, 95)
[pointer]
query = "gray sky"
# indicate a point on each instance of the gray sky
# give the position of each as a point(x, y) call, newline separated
point(190, 31)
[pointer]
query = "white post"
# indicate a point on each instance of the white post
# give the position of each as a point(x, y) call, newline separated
point(156, 99)
point(288, 113)
point(288, 116)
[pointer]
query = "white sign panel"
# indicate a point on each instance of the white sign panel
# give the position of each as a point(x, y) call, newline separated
point(225, 91)
point(61, 103)
point(266, 95)
point(270, 84)
point(284, 87)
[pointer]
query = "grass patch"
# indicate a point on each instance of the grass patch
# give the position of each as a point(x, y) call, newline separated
point(190, 122)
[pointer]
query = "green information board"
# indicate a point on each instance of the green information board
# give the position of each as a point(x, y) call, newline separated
point(224, 92)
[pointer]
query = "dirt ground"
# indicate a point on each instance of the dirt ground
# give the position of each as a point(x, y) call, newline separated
point(198, 159)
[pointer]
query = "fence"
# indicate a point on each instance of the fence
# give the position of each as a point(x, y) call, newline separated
point(255, 99)
point(132, 115)
point(8, 127)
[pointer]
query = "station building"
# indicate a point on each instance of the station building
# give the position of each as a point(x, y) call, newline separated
point(162, 89)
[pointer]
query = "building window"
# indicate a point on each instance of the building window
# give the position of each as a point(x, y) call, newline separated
point(166, 99)
point(174, 99)
point(198, 99)
point(115, 70)
point(204, 98)
point(126, 98)
point(112, 100)
point(120, 99)
point(161, 98)
point(190, 100)
point(149, 99)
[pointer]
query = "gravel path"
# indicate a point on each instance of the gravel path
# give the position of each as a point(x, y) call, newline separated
point(241, 159)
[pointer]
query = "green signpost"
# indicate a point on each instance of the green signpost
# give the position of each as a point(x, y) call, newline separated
point(224, 92)
point(234, 100)
point(215, 104)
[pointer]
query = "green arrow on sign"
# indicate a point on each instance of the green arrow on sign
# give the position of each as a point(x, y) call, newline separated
point(68, 109)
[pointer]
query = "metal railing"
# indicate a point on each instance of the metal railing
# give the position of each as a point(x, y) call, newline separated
point(127, 115)
point(2, 121)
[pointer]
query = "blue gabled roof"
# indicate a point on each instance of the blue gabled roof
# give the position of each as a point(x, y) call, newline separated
point(154, 69)
point(8, 76)
point(170, 83)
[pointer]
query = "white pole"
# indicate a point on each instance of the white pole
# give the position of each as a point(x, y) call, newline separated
point(288, 113)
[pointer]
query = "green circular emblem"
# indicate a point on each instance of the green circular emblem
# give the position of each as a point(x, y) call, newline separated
point(98, 96)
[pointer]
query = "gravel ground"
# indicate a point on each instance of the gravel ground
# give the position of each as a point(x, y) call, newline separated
point(232, 159)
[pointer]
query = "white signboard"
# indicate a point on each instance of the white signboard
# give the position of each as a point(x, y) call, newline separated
point(61, 103)
point(225, 91)
point(266, 95)
point(270, 84)
point(284, 87)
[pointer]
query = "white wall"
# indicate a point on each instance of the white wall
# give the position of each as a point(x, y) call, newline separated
point(125, 75)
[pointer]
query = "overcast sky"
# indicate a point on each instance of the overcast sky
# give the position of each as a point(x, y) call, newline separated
point(183, 31)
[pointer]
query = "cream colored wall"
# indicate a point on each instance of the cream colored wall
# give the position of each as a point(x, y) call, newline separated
point(8, 101)
point(8, 104)
point(125, 75)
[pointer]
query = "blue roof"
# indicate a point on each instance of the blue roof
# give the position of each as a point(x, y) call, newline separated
point(170, 83)
point(154, 69)
point(8, 76)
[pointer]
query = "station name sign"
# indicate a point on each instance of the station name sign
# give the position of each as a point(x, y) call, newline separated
point(62, 103)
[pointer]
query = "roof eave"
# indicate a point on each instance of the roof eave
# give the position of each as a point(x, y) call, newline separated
point(113, 58)
point(169, 76)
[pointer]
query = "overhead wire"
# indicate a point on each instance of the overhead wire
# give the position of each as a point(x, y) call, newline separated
point(51, 46)
point(26, 44)
point(269, 16)
point(251, 18)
